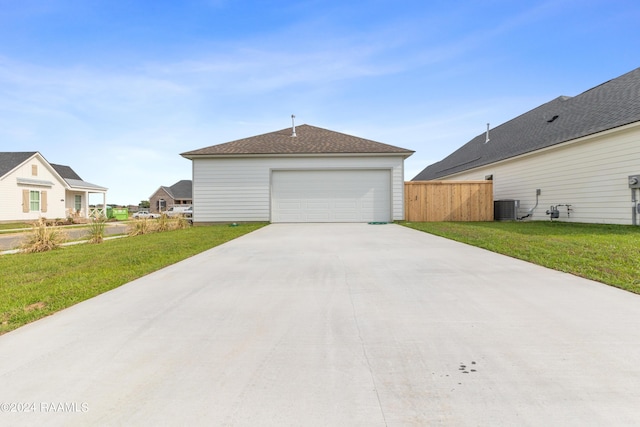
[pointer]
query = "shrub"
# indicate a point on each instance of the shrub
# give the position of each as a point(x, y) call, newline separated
point(43, 238)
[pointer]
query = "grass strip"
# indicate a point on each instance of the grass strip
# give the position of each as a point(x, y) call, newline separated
point(36, 285)
point(605, 253)
point(8, 227)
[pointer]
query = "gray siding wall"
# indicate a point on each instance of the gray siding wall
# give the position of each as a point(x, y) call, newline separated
point(590, 174)
point(238, 189)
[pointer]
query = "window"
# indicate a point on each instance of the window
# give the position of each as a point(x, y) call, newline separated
point(78, 203)
point(34, 170)
point(34, 201)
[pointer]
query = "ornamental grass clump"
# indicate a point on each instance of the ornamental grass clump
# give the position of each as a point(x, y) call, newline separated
point(96, 230)
point(43, 238)
point(141, 226)
point(168, 223)
point(163, 223)
point(179, 222)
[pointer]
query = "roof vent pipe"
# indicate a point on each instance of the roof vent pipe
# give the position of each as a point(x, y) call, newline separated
point(487, 138)
point(293, 125)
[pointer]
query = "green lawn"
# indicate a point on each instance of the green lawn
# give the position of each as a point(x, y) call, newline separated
point(35, 285)
point(13, 226)
point(606, 253)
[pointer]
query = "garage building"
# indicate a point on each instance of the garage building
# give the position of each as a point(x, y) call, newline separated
point(298, 174)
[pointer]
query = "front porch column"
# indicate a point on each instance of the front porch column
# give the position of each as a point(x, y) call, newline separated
point(87, 212)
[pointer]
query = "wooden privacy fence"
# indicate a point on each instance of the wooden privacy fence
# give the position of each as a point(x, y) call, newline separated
point(430, 201)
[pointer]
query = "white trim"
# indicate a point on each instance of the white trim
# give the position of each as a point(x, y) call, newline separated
point(36, 182)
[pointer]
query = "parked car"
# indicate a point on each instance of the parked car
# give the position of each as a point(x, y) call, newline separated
point(145, 214)
point(185, 211)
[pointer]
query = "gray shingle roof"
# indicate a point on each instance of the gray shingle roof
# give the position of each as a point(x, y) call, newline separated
point(9, 160)
point(181, 190)
point(73, 179)
point(607, 106)
point(66, 172)
point(308, 140)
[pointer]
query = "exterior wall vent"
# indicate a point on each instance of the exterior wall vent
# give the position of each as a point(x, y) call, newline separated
point(505, 210)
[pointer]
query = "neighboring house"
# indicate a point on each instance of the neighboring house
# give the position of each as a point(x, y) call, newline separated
point(180, 193)
point(301, 174)
point(578, 151)
point(31, 188)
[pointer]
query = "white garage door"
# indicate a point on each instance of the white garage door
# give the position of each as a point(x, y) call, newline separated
point(331, 196)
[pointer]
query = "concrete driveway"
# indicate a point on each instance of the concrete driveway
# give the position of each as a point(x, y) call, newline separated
point(338, 325)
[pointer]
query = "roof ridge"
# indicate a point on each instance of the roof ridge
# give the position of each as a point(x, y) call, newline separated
point(309, 139)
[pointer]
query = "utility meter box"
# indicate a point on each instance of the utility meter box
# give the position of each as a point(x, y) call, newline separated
point(634, 181)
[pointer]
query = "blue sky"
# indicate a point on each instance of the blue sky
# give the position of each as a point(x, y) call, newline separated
point(118, 89)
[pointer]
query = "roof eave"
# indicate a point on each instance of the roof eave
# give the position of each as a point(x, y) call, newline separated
point(85, 186)
point(89, 189)
point(192, 156)
point(578, 140)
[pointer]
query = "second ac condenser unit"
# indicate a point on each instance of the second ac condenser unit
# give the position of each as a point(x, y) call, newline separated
point(505, 210)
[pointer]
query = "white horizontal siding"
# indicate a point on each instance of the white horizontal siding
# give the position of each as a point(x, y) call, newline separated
point(11, 192)
point(591, 175)
point(238, 189)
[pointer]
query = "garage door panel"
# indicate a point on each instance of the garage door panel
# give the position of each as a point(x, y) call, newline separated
point(290, 205)
point(331, 196)
point(315, 218)
point(346, 217)
point(317, 205)
point(345, 205)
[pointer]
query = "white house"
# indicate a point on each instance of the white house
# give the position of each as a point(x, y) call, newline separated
point(573, 156)
point(299, 174)
point(32, 188)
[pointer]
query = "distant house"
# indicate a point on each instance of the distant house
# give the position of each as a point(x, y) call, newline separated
point(31, 188)
point(572, 155)
point(180, 193)
point(301, 174)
